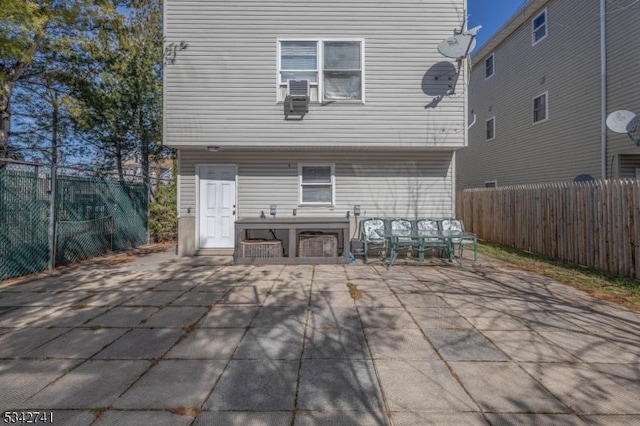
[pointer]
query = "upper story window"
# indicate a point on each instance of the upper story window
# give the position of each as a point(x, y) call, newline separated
point(489, 66)
point(316, 184)
point(491, 129)
point(539, 27)
point(342, 70)
point(299, 61)
point(541, 108)
point(334, 68)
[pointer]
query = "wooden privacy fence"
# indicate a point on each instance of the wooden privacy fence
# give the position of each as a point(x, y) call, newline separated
point(594, 224)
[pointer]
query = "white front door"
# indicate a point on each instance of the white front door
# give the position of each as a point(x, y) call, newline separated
point(217, 206)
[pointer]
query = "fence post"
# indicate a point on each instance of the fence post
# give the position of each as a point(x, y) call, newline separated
point(147, 187)
point(33, 236)
point(52, 218)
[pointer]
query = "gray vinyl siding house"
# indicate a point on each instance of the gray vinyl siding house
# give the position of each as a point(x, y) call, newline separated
point(384, 120)
point(581, 81)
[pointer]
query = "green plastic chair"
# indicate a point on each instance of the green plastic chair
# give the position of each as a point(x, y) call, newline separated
point(430, 236)
point(457, 234)
point(399, 236)
point(372, 235)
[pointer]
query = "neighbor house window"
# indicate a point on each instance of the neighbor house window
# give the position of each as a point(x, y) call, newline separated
point(540, 108)
point(334, 68)
point(316, 184)
point(488, 66)
point(491, 128)
point(491, 184)
point(539, 27)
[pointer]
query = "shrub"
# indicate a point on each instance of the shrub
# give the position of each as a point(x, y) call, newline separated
point(163, 220)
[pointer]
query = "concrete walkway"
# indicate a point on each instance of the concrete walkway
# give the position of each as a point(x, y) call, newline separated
point(163, 340)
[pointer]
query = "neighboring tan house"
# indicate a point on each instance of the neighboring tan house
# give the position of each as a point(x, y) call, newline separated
point(540, 92)
point(377, 125)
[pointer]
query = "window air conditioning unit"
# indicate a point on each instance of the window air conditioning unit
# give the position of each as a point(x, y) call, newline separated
point(298, 95)
point(298, 88)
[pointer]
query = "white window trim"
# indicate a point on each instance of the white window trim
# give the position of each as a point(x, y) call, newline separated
point(493, 67)
point(494, 182)
point(279, 61)
point(546, 108)
point(494, 128)
point(546, 27)
point(333, 185)
point(320, 67)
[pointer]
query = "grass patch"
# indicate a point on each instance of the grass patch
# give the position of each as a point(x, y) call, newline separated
point(355, 292)
point(602, 285)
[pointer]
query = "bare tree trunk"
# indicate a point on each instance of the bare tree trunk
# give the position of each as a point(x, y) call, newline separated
point(158, 169)
point(5, 117)
point(55, 120)
point(119, 160)
point(144, 153)
point(54, 170)
point(5, 97)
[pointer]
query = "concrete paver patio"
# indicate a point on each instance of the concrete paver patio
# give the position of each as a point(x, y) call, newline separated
point(200, 341)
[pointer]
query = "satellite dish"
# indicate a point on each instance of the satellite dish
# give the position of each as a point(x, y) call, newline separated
point(474, 31)
point(583, 178)
point(622, 121)
point(458, 46)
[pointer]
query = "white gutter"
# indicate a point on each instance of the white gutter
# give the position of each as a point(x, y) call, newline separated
point(603, 89)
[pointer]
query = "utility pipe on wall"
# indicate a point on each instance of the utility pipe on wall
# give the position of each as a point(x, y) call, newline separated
point(603, 89)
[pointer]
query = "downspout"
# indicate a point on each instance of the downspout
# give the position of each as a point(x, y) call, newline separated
point(603, 89)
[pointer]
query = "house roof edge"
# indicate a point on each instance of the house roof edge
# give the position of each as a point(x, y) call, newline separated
point(520, 17)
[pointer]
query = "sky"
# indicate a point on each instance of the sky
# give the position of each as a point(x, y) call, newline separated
point(492, 15)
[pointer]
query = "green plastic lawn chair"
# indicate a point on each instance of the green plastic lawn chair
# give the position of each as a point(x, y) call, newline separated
point(372, 234)
point(429, 236)
point(455, 229)
point(400, 236)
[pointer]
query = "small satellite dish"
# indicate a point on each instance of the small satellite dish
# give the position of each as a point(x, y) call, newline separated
point(622, 121)
point(474, 31)
point(583, 178)
point(458, 46)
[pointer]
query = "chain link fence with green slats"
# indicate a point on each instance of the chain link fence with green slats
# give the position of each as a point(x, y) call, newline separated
point(93, 216)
